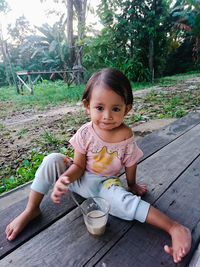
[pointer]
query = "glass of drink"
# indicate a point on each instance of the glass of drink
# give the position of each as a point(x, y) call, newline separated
point(95, 214)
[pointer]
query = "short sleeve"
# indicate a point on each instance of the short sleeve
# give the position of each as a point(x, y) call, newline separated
point(78, 141)
point(132, 154)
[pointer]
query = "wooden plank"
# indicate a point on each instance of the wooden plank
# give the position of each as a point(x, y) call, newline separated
point(75, 241)
point(24, 83)
point(41, 222)
point(30, 83)
point(160, 170)
point(143, 244)
point(181, 202)
point(14, 195)
point(47, 71)
point(65, 243)
point(25, 72)
point(50, 213)
point(153, 142)
point(162, 137)
point(36, 79)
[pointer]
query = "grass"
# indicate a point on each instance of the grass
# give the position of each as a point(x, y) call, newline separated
point(167, 80)
point(22, 174)
point(156, 105)
point(25, 168)
point(46, 94)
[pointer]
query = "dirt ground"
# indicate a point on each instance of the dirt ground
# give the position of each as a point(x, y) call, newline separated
point(30, 129)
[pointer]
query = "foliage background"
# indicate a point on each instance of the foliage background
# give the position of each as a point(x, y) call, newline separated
point(145, 39)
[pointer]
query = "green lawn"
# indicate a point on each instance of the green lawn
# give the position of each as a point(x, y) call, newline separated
point(48, 93)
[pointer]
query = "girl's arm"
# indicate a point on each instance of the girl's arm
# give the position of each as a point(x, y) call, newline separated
point(70, 175)
point(77, 168)
point(136, 189)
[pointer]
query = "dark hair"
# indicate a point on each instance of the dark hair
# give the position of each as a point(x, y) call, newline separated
point(114, 79)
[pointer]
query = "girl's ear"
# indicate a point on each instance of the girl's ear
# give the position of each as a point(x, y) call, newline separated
point(86, 105)
point(128, 108)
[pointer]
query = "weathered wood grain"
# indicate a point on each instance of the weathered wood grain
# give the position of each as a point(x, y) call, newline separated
point(65, 243)
point(142, 245)
point(50, 213)
point(123, 243)
point(160, 170)
point(15, 195)
point(160, 138)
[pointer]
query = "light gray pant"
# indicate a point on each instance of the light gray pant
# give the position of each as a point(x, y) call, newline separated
point(123, 204)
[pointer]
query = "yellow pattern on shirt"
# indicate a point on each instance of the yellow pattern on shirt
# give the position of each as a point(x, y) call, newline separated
point(102, 160)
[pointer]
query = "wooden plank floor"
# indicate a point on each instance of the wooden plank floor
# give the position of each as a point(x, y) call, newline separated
point(171, 170)
point(50, 213)
point(179, 198)
point(160, 138)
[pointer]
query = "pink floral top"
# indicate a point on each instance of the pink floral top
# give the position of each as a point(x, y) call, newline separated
point(105, 159)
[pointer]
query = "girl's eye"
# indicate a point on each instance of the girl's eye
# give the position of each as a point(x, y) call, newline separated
point(99, 108)
point(116, 109)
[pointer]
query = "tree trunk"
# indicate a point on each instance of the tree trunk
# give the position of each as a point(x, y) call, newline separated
point(70, 37)
point(5, 63)
point(10, 64)
point(151, 56)
point(4, 56)
point(151, 44)
point(80, 6)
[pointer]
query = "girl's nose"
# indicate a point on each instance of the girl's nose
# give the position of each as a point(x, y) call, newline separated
point(107, 115)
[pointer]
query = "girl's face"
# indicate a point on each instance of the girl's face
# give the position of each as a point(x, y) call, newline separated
point(106, 108)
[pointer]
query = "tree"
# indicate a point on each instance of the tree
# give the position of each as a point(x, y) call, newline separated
point(190, 24)
point(4, 8)
point(2, 74)
point(20, 30)
point(38, 52)
point(55, 43)
point(70, 36)
point(50, 49)
point(142, 33)
point(5, 57)
point(100, 51)
point(78, 7)
point(136, 24)
point(17, 46)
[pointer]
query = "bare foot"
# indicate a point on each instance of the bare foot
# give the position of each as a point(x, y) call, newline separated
point(181, 242)
point(18, 224)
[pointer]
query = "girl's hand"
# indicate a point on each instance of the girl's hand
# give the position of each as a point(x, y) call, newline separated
point(60, 188)
point(137, 189)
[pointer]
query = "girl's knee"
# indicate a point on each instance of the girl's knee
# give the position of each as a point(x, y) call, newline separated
point(58, 159)
point(49, 171)
point(54, 158)
point(52, 166)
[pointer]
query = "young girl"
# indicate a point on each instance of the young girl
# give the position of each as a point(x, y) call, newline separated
point(102, 148)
